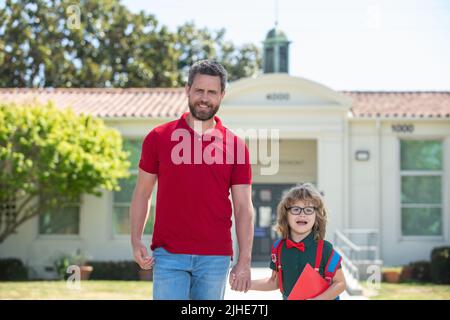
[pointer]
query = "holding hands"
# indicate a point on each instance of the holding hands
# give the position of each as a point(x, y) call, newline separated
point(240, 277)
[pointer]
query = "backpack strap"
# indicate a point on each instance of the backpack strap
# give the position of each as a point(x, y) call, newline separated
point(332, 265)
point(276, 258)
point(318, 255)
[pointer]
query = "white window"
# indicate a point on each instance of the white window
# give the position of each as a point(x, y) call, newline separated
point(421, 187)
point(122, 198)
point(64, 221)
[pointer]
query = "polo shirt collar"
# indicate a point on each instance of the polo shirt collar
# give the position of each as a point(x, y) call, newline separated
point(183, 123)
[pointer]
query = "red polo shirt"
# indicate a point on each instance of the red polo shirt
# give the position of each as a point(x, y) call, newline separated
point(195, 173)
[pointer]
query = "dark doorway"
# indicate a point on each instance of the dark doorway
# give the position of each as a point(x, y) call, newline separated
point(265, 200)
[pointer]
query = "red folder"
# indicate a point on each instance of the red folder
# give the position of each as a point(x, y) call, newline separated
point(309, 285)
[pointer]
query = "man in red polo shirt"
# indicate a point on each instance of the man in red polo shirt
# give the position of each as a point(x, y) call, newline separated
point(196, 161)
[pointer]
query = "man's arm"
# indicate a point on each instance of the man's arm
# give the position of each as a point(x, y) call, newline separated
point(240, 276)
point(139, 215)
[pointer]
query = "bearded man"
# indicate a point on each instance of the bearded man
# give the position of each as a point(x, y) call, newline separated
point(196, 162)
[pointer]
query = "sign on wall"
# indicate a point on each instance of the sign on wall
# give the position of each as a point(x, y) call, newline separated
point(278, 96)
point(403, 128)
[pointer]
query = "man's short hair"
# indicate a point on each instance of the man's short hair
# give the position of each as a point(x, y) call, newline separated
point(210, 68)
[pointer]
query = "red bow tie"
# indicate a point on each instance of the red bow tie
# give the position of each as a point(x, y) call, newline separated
point(291, 244)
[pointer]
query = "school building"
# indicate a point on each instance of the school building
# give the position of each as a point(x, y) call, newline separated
point(381, 159)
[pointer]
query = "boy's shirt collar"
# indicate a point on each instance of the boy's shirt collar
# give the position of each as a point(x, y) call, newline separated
point(308, 241)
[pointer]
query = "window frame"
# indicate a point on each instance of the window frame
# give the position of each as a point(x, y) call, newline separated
point(442, 173)
point(44, 236)
point(133, 171)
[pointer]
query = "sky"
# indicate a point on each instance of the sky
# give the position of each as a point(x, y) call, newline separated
point(343, 44)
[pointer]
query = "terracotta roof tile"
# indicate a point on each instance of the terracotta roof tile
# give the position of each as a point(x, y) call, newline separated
point(171, 102)
point(414, 104)
point(107, 102)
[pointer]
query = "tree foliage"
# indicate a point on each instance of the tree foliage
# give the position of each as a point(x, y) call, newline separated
point(49, 157)
point(100, 43)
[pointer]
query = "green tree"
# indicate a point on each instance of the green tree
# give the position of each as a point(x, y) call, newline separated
point(49, 157)
point(241, 62)
point(196, 44)
point(100, 43)
point(87, 43)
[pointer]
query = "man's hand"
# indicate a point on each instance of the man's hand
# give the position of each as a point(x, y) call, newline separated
point(240, 277)
point(138, 217)
point(141, 256)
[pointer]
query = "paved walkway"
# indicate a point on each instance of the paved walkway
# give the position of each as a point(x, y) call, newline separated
point(261, 272)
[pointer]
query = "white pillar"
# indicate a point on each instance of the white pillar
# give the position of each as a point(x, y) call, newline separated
point(330, 179)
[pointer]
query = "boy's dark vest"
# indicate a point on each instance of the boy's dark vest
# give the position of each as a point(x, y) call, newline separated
point(330, 269)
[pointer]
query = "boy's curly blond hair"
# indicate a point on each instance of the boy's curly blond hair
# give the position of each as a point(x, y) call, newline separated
point(305, 192)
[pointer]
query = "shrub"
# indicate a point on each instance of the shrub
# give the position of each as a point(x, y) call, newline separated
point(12, 269)
point(61, 265)
point(420, 271)
point(406, 274)
point(440, 265)
point(114, 270)
point(64, 260)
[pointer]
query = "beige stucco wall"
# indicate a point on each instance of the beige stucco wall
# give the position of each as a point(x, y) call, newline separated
point(375, 185)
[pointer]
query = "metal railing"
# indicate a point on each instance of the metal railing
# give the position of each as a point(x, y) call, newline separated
point(358, 244)
point(351, 273)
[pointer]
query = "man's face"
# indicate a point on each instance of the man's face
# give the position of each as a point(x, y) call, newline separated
point(204, 96)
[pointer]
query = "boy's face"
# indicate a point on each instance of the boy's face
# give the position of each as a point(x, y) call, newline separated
point(302, 223)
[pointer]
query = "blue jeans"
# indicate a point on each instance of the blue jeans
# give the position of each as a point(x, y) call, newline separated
point(189, 277)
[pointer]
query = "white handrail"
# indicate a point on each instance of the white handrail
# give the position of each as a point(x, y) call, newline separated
point(351, 273)
point(347, 241)
point(375, 231)
point(345, 260)
point(350, 253)
point(354, 248)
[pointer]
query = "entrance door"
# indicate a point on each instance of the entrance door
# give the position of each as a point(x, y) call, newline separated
point(265, 200)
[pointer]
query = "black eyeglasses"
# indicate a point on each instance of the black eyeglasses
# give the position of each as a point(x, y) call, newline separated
point(296, 210)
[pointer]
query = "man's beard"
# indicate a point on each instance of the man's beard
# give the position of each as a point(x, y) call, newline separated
point(203, 114)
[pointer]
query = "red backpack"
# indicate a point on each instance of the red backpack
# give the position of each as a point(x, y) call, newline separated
point(330, 269)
